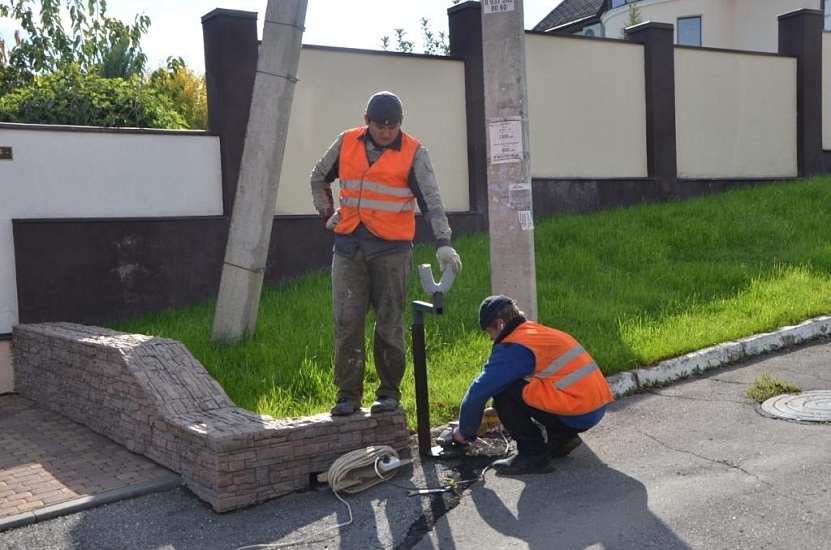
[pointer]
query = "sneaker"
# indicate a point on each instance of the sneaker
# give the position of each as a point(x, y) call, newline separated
point(384, 404)
point(344, 406)
point(564, 449)
point(520, 464)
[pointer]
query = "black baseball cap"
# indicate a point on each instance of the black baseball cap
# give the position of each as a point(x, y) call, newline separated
point(385, 108)
point(490, 307)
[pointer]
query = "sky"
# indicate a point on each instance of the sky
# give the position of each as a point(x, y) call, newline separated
point(176, 25)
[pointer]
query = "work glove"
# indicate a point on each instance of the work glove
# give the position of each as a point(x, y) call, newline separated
point(325, 214)
point(448, 257)
point(333, 220)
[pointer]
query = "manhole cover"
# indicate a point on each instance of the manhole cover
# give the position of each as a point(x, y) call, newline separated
point(808, 406)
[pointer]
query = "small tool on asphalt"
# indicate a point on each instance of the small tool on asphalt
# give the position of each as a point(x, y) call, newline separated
point(446, 446)
point(442, 489)
point(449, 485)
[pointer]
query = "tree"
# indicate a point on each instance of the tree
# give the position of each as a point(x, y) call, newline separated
point(4, 51)
point(91, 72)
point(633, 17)
point(401, 44)
point(92, 41)
point(119, 60)
point(70, 96)
point(185, 91)
point(434, 43)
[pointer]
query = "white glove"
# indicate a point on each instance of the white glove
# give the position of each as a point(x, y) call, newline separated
point(333, 220)
point(448, 257)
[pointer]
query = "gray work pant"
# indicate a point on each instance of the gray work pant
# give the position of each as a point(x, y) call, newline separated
point(357, 284)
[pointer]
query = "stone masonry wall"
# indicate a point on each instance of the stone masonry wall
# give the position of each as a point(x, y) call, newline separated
point(152, 396)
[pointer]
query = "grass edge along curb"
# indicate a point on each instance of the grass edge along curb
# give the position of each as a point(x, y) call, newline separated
point(635, 381)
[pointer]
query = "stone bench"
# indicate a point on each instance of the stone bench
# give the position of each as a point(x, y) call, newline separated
point(152, 396)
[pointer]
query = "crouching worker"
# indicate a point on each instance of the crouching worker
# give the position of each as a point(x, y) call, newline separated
point(534, 373)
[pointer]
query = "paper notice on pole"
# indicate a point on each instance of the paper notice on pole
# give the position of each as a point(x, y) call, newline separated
point(505, 140)
point(519, 196)
point(497, 6)
point(526, 220)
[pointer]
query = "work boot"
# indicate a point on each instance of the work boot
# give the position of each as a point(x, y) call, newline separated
point(564, 448)
point(384, 404)
point(520, 464)
point(344, 407)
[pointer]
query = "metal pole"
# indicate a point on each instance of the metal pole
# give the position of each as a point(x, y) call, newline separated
point(510, 213)
point(420, 374)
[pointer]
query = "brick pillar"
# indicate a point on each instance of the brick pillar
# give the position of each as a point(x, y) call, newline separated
point(659, 69)
point(231, 51)
point(465, 33)
point(800, 35)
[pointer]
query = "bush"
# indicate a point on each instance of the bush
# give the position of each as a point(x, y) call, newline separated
point(71, 97)
point(185, 91)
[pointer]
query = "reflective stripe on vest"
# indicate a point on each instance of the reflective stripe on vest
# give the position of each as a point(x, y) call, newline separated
point(377, 187)
point(377, 196)
point(561, 362)
point(576, 376)
point(375, 205)
point(566, 380)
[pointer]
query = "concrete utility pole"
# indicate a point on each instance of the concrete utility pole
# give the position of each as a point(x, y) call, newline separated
point(238, 302)
point(511, 224)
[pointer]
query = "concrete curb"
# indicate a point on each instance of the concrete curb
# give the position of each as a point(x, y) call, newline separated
point(720, 355)
point(83, 503)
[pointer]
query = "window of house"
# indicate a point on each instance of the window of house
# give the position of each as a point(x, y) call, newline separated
point(689, 31)
point(826, 7)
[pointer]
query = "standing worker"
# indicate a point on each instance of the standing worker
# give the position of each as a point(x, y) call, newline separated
point(383, 172)
point(534, 373)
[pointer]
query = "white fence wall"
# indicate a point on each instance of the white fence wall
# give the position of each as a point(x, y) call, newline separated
point(85, 174)
point(735, 114)
point(586, 107)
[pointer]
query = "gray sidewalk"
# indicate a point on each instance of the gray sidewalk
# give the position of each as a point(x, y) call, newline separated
point(688, 465)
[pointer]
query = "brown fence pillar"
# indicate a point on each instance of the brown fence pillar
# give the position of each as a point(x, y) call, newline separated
point(465, 33)
point(231, 51)
point(659, 69)
point(800, 35)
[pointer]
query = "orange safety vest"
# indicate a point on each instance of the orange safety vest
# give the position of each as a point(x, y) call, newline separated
point(378, 196)
point(566, 380)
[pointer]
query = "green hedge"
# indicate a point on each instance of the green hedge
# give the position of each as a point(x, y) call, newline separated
point(70, 97)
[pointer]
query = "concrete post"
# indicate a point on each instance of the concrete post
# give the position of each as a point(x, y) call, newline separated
point(510, 213)
point(800, 34)
point(262, 160)
point(659, 69)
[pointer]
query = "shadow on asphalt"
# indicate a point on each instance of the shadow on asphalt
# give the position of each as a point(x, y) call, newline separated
point(589, 505)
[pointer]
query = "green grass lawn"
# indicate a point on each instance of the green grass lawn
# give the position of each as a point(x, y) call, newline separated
point(634, 286)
